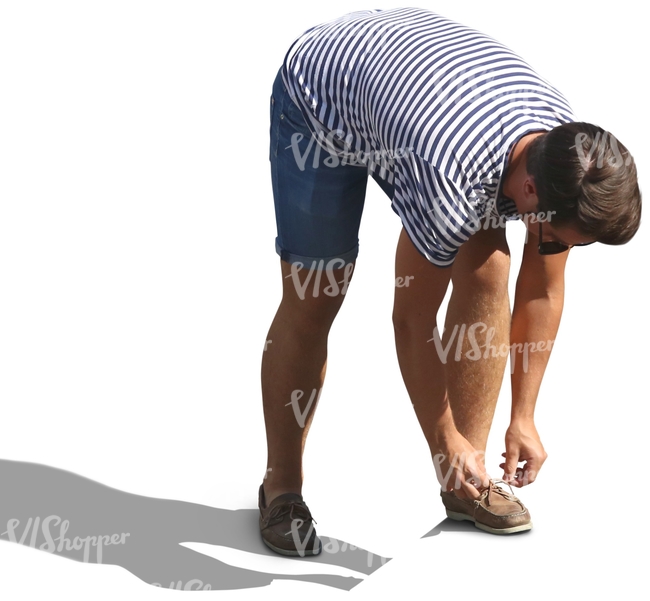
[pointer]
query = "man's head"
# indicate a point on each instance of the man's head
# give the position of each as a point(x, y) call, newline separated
point(588, 178)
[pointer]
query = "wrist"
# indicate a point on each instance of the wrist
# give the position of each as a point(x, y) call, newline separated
point(523, 408)
point(521, 421)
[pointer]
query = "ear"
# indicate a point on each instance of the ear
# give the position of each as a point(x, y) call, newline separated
point(530, 190)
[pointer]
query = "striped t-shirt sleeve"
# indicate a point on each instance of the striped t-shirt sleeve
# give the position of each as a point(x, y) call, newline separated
point(436, 214)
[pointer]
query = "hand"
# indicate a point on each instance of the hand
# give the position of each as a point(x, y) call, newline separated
point(459, 466)
point(522, 445)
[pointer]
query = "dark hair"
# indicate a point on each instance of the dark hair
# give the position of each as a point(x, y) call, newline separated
point(589, 179)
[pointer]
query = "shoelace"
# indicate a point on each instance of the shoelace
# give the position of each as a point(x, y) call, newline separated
point(493, 488)
point(295, 510)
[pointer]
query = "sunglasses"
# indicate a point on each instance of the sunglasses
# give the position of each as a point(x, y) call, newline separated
point(552, 247)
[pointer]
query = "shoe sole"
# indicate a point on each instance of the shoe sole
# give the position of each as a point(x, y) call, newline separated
point(291, 553)
point(463, 517)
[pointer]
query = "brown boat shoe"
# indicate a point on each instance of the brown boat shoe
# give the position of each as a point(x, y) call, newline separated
point(494, 511)
point(286, 525)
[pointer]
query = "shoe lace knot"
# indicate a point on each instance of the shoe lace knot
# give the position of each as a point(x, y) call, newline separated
point(492, 488)
point(295, 510)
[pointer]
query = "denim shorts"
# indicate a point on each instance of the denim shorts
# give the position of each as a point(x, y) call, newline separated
point(318, 201)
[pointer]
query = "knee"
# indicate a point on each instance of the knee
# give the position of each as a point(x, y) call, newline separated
point(315, 294)
point(310, 315)
point(412, 321)
point(490, 277)
point(400, 321)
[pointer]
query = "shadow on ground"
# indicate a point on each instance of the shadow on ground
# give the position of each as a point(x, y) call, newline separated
point(449, 525)
point(59, 512)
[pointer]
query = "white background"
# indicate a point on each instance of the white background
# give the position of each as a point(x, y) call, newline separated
point(138, 279)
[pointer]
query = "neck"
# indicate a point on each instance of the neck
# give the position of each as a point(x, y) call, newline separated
point(517, 173)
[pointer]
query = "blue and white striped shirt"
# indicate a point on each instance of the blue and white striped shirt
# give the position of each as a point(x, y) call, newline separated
point(430, 105)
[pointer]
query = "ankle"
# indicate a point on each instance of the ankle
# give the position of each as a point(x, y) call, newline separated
point(273, 489)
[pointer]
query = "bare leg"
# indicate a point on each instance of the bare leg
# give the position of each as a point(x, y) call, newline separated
point(480, 303)
point(293, 368)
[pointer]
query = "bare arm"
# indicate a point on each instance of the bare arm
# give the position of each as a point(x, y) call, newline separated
point(414, 318)
point(539, 299)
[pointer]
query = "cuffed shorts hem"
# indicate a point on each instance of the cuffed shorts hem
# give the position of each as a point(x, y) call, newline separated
point(289, 257)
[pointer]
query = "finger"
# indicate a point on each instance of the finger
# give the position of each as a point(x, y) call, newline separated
point(531, 469)
point(459, 487)
point(510, 468)
point(468, 490)
point(480, 477)
point(520, 478)
point(470, 481)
